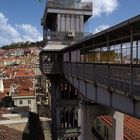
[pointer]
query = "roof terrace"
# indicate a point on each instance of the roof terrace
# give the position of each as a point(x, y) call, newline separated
point(69, 4)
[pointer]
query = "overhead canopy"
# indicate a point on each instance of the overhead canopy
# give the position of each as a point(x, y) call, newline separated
point(53, 47)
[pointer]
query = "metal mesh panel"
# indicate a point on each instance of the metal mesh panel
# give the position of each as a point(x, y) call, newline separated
point(74, 69)
point(136, 81)
point(65, 70)
point(69, 67)
point(119, 78)
point(89, 72)
point(101, 74)
point(119, 75)
point(80, 70)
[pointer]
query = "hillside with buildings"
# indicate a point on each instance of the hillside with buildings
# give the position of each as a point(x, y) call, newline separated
point(23, 45)
point(21, 92)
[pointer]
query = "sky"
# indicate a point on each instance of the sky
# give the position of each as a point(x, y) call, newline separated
point(20, 19)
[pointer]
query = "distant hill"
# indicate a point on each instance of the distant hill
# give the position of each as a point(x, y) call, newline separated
point(23, 45)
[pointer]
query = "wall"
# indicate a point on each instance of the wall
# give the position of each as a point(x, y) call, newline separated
point(67, 22)
point(32, 106)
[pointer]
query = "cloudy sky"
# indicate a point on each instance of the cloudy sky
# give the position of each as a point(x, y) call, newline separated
point(20, 19)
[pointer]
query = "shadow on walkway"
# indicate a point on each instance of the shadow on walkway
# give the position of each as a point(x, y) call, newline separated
point(33, 129)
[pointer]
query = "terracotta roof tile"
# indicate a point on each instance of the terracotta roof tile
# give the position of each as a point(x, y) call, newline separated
point(23, 72)
point(131, 126)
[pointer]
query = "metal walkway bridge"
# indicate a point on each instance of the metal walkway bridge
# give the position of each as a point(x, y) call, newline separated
point(104, 67)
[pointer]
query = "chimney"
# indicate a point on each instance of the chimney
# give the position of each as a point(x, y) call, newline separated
point(1, 83)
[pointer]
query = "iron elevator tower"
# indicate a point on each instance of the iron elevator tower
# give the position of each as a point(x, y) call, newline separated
point(63, 23)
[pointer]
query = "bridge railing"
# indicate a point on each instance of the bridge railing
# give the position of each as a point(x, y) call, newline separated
point(117, 77)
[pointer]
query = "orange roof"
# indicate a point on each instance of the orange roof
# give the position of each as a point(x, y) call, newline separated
point(107, 119)
point(131, 126)
point(8, 82)
point(17, 72)
point(17, 81)
point(23, 72)
point(24, 86)
point(26, 83)
point(26, 93)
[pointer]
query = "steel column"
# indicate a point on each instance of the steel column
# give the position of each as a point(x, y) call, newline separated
point(137, 54)
point(131, 60)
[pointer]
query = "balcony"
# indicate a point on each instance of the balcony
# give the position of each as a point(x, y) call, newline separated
point(50, 62)
point(71, 4)
point(52, 68)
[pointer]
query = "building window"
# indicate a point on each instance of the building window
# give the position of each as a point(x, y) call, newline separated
point(20, 102)
point(29, 101)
